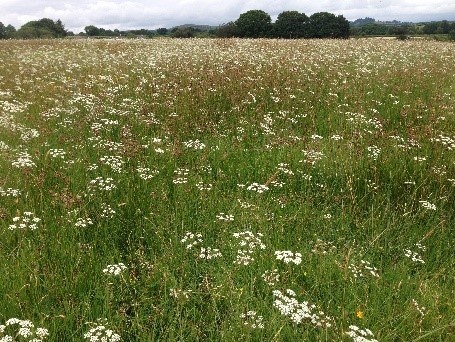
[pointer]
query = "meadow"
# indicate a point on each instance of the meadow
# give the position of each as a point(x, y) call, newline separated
point(227, 190)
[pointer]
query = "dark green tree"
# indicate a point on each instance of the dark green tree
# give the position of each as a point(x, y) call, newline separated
point(328, 25)
point(92, 31)
point(2, 31)
point(10, 31)
point(254, 24)
point(290, 24)
point(227, 30)
point(43, 28)
point(162, 31)
point(184, 32)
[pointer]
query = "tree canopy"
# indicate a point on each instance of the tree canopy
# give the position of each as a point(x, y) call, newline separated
point(254, 24)
point(43, 28)
point(291, 24)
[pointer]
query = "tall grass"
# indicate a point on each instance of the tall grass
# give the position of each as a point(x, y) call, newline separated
point(166, 178)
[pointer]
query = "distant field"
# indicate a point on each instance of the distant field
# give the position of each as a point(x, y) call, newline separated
point(227, 190)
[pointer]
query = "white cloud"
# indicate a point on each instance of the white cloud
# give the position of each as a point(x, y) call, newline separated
point(153, 14)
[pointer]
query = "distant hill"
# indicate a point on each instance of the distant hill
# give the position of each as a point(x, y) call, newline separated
point(196, 27)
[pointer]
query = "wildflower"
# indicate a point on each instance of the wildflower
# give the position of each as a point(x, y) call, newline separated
point(115, 269)
point(414, 256)
point(100, 332)
point(181, 176)
point(16, 329)
point(114, 162)
point(420, 309)
point(83, 222)
point(146, 173)
point(101, 184)
point(194, 144)
point(27, 221)
point(359, 314)
point(252, 320)
point(191, 239)
point(363, 269)
point(373, 152)
point(428, 205)
point(289, 257)
point(256, 187)
point(23, 159)
point(225, 217)
point(300, 312)
point(360, 335)
point(57, 153)
point(9, 192)
point(209, 253)
point(107, 211)
point(204, 187)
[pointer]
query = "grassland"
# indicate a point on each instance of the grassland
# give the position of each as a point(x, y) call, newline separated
point(222, 190)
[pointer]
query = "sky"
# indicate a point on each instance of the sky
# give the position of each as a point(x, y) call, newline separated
point(152, 14)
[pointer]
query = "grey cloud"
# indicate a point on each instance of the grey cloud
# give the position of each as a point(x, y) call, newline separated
point(163, 13)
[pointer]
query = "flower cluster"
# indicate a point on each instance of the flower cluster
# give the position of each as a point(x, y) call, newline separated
point(28, 220)
point(252, 320)
point(415, 256)
point(100, 332)
point(191, 239)
point(107, 211)
point(427, 205)
point(9, 192)
point(115, 269)
point(204, 186)
point(298, 312)
point(209, 253)
point(101, 184)
point(23, 159)
point(194, 144)
point(373, 152)
point(363, 269)
point(83, 222)
point(146, 173)
point(57, 153)
point(256, 187)
point(289, 257)
point(16, 329)
point(181, 176)
point(114, 162)
point(360, 335)
point(225, 217)
point(249, 242)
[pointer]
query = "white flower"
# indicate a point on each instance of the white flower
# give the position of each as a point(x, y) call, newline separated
point(288, 256)
point(115, 269)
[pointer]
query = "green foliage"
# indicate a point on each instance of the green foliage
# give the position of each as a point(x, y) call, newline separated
point(227, 30)
point(162, 31)
point(43, 28)
point(2, 31)
point(184, 32)
point(254, 24)
point(452, 35)
point(328, 25)
point(291, 24)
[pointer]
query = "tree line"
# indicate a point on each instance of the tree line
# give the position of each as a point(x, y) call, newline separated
point(371, 27)
point(251, 24)
point(289, 24)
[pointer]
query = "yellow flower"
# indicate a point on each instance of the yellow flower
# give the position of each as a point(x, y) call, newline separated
point(359, 314)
